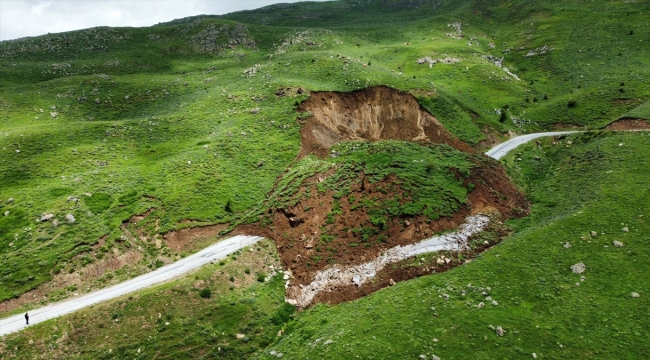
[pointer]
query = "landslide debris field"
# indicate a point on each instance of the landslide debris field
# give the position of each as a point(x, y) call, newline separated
point(348, 132)
point(361, 196)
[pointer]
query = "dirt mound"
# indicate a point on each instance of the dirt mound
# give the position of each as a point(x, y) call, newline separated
point(376, 113)
point(629, 124)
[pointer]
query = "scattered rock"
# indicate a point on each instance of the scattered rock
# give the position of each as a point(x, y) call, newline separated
point(489, 298)
point(534, 356)
point(54, 114)
point(625, 229)
point(70, 218)
point(97, 101)
point(328, 342)
point(433, 357)
point(10, 200)
point(495, 303)
point(46, 217)
point(578, 268)
point(55, 223)
point(445, 296)
point(260, 164)
point(255, 110)
point(280, 93)
point(484, 293)
point(250, 72)
point(7, 213)
point(422, 356)
point(391, 282)
point(635, 295)
point(498, 61)
point(480, 305)
point(499, 330)
point(617, 243)
point(356, 280)
point(594, 234)
point(73, 198)
point(240, 336)
point(567, 245)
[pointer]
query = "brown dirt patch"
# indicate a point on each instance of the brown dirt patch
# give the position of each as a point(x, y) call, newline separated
point(179, 240)
point(376, 113)
point(629, 124)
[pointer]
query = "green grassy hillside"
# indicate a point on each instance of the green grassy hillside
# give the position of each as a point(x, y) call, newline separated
point(185, 121)
point(580, 184)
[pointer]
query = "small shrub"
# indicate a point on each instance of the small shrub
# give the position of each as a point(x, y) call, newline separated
point(232, 279)
point(571, 104)
point(261, 278)
point(205, 293)
point(247, 271)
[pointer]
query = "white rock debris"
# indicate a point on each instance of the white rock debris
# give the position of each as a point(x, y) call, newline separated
point(359, 274)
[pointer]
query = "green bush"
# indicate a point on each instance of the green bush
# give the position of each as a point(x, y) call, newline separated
point(205, 293)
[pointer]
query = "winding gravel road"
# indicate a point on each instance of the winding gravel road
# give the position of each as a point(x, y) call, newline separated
point(499, 151)
point(215, 252)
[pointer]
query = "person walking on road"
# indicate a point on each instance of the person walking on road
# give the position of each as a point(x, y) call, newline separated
point(27, 318)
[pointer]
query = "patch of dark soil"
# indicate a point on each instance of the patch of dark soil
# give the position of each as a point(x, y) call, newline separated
point(376, 113)
point(179, 240)
point(629, 124)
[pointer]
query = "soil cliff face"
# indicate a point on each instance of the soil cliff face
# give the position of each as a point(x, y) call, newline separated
point(376, 113)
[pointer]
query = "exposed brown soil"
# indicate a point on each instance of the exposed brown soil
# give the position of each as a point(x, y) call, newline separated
point(376, 113)
point(629, 124)
point(184, 239)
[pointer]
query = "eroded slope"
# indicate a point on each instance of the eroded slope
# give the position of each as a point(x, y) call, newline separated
point(387, 174)
point(376, 113)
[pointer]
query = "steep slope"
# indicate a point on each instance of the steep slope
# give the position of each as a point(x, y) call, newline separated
point(376, 113)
